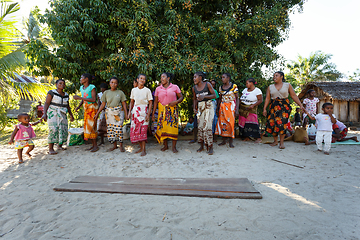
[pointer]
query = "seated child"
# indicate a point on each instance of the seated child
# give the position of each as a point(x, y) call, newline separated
point(22, 134)
point(189, 128)
point(339, 133)
point(324, 122)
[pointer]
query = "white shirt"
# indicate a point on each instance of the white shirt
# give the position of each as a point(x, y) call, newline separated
point(249, 98)
point(323, 122)
point(141, 96)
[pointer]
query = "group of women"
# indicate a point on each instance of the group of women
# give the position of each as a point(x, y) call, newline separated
point(229, 105)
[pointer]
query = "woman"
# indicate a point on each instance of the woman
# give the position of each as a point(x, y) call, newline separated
point(250, 99)
point(167, 97)
point(203, 93)
point(140, 105)
point(279, 109)
point(55, 109)
point(228, 109)
point(89, 99)
point(115, 101)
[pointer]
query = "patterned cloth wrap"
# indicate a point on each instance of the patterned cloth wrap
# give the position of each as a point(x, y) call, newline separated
point(114, 122)
point(278, 116)
point(167, 123)
point(205, 117)
point(138, 129)
point(89, 122)
point(58, 124)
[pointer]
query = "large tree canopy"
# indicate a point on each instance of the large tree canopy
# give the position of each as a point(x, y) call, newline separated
point(124, 38)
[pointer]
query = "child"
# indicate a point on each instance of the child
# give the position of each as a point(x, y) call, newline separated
point(189, 128)
point(23, 133)
point(310, 105)
point(339, 133)
point(139, 112)
point(324, 122)
point(297, 117)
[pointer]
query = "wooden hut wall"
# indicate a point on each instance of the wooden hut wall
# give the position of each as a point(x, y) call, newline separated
point(336, 109)
point(354, 111)
point(343, 111)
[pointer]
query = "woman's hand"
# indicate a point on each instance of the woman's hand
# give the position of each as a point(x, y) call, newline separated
point(153, 118)
point(200, 98)
point(44, 117)
point(96, 116)
point(250, 107)
point(72, 118)
point(76, 97)
point(264, 113)
point(172, 104)
point(147, 118)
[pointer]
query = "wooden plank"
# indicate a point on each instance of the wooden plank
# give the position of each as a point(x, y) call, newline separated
point(133, 189)
point(161, 181)
point(354, 111)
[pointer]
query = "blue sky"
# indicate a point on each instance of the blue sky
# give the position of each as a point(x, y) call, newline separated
point(331, 26)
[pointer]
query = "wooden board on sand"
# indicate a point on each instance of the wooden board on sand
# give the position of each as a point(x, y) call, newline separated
point(190, 187)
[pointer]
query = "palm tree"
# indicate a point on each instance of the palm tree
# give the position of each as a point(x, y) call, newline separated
point(314, 68)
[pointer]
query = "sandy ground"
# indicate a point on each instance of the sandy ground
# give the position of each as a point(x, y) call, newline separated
point(319, 201)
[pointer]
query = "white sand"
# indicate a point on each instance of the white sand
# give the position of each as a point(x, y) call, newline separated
point(320, 201)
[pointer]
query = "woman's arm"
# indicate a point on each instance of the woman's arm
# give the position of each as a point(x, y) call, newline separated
point(295, 97)
point(147, 118)
point(78, 107)
point(70, 113)
point(259, 101)
point(131, 107)
point(92, 99)
point(180, 98)
point(154, 108)
point(102, 106)
point(194, 101)
point(125, 109)
point(211, 96)
point(267, 101)
point(46, 106)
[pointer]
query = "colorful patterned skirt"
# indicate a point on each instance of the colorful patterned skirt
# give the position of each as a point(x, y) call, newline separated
point(278, 116)
point(167, 123)
point(249, 126)
point(205, 118)
point(114, 123)
point(58, 124)
point(226, 121)
point(89, 122)
point(138, 128)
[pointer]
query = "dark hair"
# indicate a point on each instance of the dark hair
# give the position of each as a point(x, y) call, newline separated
point(22, 115)
point(310, 90)
point(201, 74)
point(281, 74)
point(228, 75)
point(103, 85)
point(115, 79)
point(297, 109)
point(251, 80)
point(59, 80)
point(169, 75)
point(88, 76)
point(141, 74)
point(327, 104)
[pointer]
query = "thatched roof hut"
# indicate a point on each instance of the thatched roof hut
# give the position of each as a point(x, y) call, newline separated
point(344, 95)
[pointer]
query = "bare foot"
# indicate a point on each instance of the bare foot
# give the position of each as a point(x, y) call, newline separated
point(200, 149)
point(326, 153)
point(52, 152)
point(175, 150)
point(211, 151)
point(143, 153)
point(111, 149)
point(95, 149)
point(306, 141)
point(164, 148)
point(281, 146)
point(21, 161)
point(246, 139)
point(258, 140)
point(231, 145)
point(193, 141)
point(122, 149)
point(319, 150)
point(138, 151)
point(100, 144)
point(222, 143)
point(89, 149)
point(28, 154)
point(274, 144)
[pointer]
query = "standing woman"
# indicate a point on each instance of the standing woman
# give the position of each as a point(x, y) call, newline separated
point(167, 98)
point(250, 99)
point(279, 109)
point(228, 109)
point(89, 98)
point(139, 111)
point(203, 93)
point(55, 109)
point(115, 101)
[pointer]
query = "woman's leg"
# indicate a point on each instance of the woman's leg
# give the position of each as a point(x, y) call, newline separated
point(201, 147)
point(282, 137)
point(95, 147)
point(166, 147)
point(51, 149)
point(211, 150)
point(231, 142)
point(275, 143)
point(122, 149)
point(174, 146)
point(143, 152)
point(113, 148)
